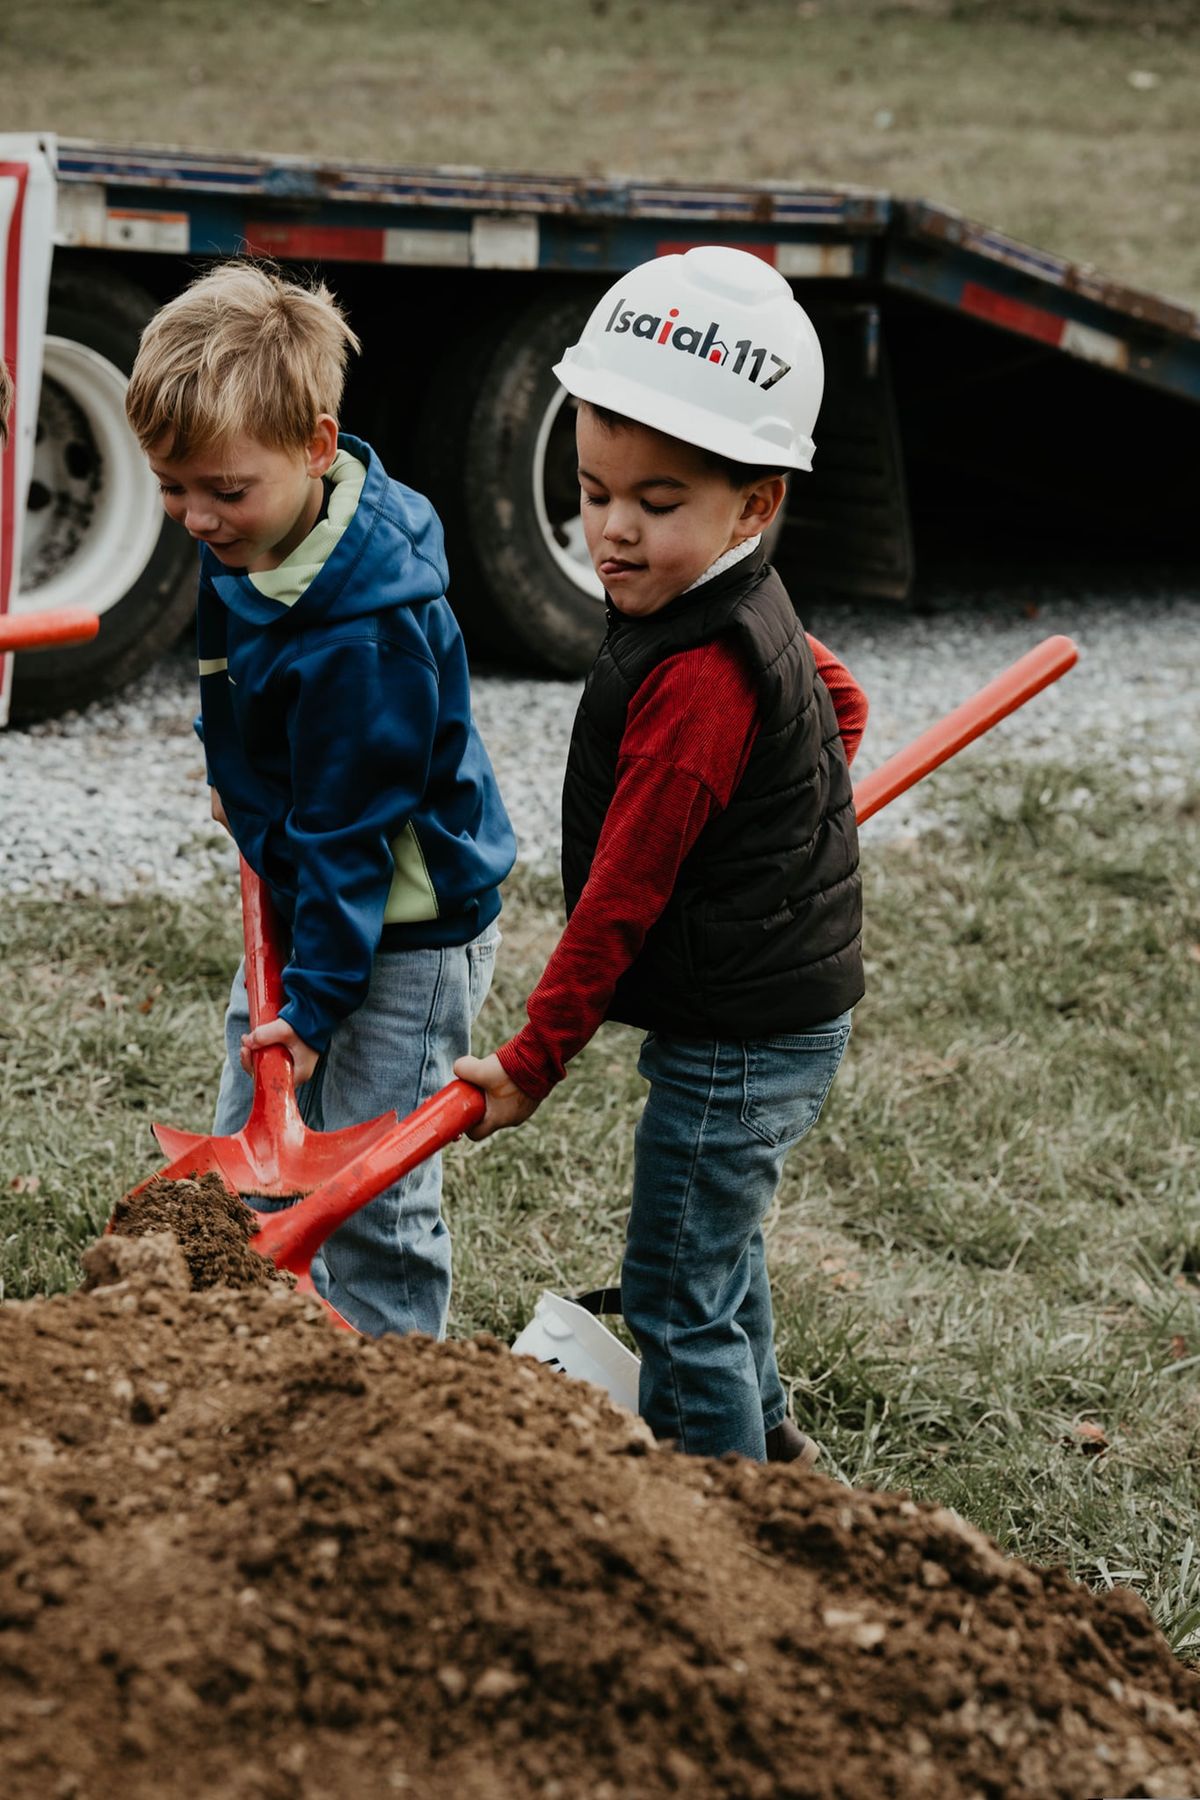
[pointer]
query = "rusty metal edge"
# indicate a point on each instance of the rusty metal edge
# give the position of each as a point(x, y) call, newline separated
point(941, 224)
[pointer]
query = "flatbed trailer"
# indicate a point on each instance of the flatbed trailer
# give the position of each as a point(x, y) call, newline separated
point(973, 382)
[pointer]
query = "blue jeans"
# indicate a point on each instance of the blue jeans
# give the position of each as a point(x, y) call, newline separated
point(388, 1267)
point(719, 1120)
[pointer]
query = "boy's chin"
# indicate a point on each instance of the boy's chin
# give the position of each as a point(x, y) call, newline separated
point(632, 607)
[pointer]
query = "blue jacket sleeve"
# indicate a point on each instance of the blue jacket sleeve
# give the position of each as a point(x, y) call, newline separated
point(362, 716)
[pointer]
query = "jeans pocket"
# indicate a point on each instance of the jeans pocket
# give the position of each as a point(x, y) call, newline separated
point(787, 1080)
point(481, 966)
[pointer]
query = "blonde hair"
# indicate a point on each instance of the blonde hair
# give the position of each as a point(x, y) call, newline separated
point(240, 351)
point(6, 400)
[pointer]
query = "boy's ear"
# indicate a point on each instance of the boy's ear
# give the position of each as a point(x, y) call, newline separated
point(760, 505)
point(322, 445)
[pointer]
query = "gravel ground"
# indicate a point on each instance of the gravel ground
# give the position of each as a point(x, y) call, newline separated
point(113, 800)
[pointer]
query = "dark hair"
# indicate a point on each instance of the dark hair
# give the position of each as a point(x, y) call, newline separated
point(737, 474)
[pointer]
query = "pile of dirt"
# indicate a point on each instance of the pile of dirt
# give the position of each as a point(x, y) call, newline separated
point(213, 1228)
point(244, 1555)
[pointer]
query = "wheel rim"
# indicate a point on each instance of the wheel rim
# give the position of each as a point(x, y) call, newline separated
point(93, 514)
point(556, 497)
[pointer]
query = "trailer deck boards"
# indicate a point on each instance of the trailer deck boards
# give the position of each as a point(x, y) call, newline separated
point(977, 389)
point(296, 209)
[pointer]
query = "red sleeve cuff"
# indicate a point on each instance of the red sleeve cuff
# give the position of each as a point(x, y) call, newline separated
point(526, 1062)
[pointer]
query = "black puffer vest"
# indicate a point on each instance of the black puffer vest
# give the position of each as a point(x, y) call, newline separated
point(762, 934)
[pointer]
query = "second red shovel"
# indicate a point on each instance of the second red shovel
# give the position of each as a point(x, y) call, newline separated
point(291, 1239)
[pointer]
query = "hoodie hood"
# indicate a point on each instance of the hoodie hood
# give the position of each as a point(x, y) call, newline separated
point(379, 547)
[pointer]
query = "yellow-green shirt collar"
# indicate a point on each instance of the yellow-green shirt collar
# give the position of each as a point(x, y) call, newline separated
point(298, 570)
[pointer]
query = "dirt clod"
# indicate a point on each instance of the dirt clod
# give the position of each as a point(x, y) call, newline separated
point(155, 1260)
point(246, 1556)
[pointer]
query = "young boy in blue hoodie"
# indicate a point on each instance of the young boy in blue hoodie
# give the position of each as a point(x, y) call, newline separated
point(341, 752)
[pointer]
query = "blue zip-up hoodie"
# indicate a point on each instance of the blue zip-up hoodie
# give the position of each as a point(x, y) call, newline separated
point(337, 729)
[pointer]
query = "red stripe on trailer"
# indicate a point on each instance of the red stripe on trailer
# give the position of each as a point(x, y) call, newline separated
point(12, 297)
point(337, 243)
point(1016, 315)
point(670, 247)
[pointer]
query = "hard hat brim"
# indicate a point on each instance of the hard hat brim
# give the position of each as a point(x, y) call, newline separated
point(694, 425)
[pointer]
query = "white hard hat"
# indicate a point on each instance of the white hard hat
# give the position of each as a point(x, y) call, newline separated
point(710, 347)
point(567, 1337)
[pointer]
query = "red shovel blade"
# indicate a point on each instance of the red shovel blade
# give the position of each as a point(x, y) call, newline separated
point(274, 1155)
point(330, 1174)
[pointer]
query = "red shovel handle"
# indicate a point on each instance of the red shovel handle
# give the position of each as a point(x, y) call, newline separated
point(1027, 677)
point(39, 631)
point(274, 1108)
point(292, 1238)
point(266, 952)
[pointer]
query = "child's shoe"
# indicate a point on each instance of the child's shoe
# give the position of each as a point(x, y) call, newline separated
point(787, 1443)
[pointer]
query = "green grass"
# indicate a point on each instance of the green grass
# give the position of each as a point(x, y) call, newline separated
point(1023, 115)
point(992, 1237)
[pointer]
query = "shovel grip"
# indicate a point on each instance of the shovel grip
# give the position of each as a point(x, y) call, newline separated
point(39, 631)
point(266, 952)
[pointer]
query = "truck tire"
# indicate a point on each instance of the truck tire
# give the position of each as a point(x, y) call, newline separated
point(438, 468)
point(495, 451)
point(522, 494)
point(521, 577)
point(95, 532)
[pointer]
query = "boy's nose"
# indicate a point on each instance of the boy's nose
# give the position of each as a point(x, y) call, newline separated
point(200, 521)
point(620, 526)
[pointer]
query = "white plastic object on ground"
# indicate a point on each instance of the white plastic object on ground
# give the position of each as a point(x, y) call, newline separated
point(567, 1337)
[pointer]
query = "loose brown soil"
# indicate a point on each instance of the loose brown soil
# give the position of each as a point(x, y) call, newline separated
point(213, 1228)
point(245, 1555)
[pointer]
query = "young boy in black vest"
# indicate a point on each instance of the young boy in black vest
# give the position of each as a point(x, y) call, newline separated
point(710, 857)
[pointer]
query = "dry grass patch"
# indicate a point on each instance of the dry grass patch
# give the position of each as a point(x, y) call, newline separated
point(1073, 125)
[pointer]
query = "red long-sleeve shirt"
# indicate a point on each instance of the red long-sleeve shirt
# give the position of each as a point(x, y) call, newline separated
point(688, 735)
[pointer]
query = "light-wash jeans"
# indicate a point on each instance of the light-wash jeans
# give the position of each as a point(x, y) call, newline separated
point(388, 1267)
point(719, 1120)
